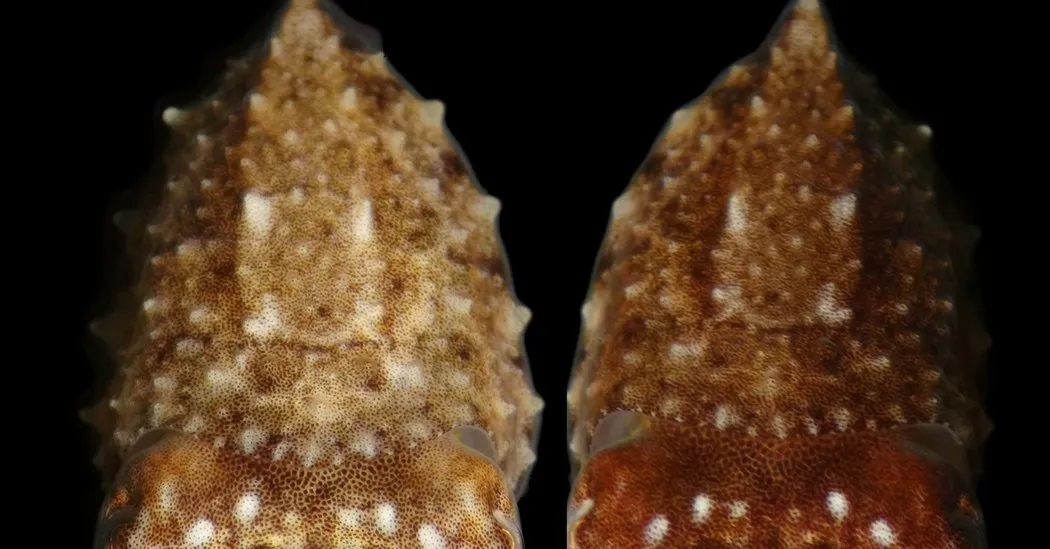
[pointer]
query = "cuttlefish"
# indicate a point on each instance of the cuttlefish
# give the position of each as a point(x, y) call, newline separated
point(323, 347)
point(780, 347)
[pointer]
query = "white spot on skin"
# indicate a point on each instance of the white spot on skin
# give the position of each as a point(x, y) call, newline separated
point(251, 438)
point(758, 106)
point(362, 221)
point(430, 537)
point(880, 363)
point(681, 351)
point(166, 496)
point(702, 505)
point(348, 100)
point(657, 529)
point(365, 444)
point(736, 218)
point(267, 322)
point(827, 307)
point(882, 534)
point(837, 504)
point(310, 454)
point(256, 101)
point(724, 417)
point(843, 209)
point(811, 141)
point(351, 518)
point(737, 509)
point(623, 206)
point(458, 304)
point(386, 518)
point(842, 418)
point(257, 213)
point(780, 426)
point(172, 116)
point(247, 507)
point(200, 533)
point(164, 383)
point(404, 375)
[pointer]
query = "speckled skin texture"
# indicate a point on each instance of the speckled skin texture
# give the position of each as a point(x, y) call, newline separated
point(323, 306)
point(779, 349)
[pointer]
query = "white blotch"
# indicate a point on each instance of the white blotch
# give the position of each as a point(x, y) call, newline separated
point(404, 375)
point(166, 497)
point(247, 507)
point(431, 186)
point(290, 137)
point(200, 533)
point(351, 518)
point(311, 453)
point(330, 126)
point(199, 315)
point(811, 141)
point(172, 116)
point(251, 438)
point(780, 426)
point(724, 417)
point(149, 305)
point(758, 106)
point(386, 518)
point(267, 322)
point(430, 537)
point(280, 450)
point(657, 529)
point(487, 207)
point(681, 351)
point(702, 505)
point(458, 304)
point(837, 504)
point(737, 509)
point(348, 99)
point(433, 111)
point(365, 444)
point(842, 418)
point(164, 383)
point(362, 224)
point(459, 379)
point(882, 534)
point(811, 426)
point(624, 206)
point(188, 347)
point(828, 308)
point(736, 217)
point(843, 209)
point(256, 101)
point(880, 363)
point(194, 424)
point(257, 213)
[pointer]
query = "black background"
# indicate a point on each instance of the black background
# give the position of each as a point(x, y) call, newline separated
point(555, 106)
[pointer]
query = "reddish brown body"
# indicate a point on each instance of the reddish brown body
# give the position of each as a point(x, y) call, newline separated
point(778, 349)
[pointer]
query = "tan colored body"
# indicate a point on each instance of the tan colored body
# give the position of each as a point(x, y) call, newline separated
point(776, 327)
point(324, 300)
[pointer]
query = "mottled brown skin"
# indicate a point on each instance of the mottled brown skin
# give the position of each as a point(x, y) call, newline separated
point(324, 305)
point(777, 303)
